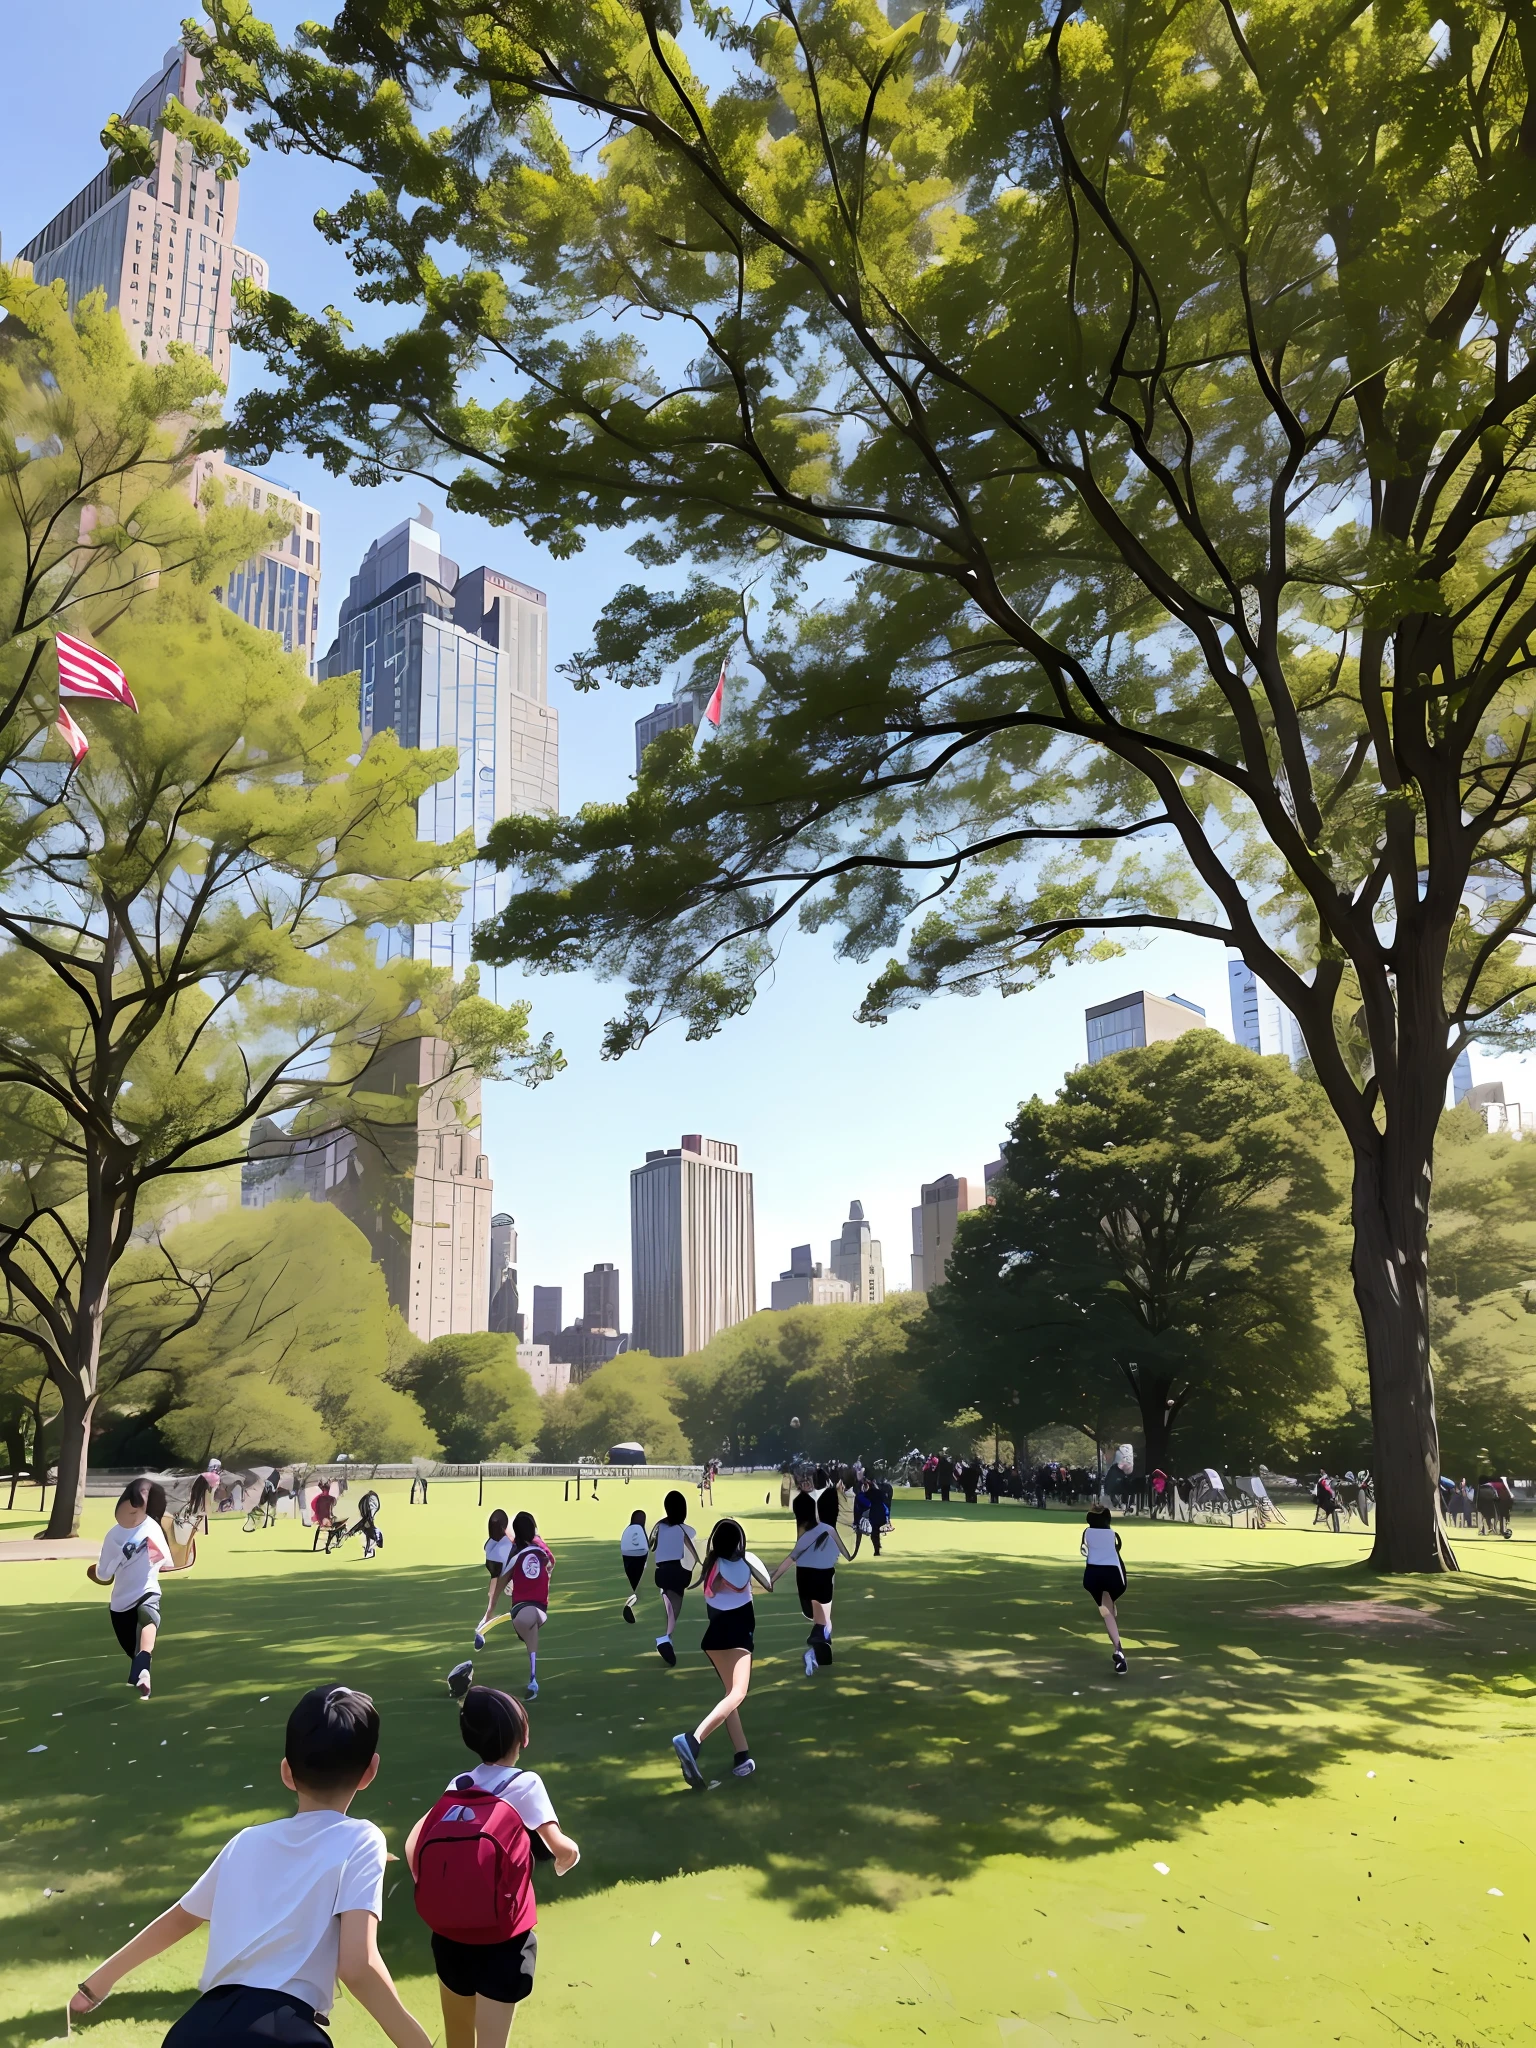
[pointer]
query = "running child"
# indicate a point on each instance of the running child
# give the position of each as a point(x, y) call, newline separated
point(527, 1581)
point(498, 1548)
point(729, 1570)
point(1104, 1577)
point(634, 1549)
point(133, 1555)
point(481, 1980)
point(290, 1906)
point(672, 1544)
point(815, 1558)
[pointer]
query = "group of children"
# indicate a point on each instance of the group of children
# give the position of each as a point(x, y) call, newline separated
point(294, 1905)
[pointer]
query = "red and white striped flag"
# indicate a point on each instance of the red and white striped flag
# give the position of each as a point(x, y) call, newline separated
point(72, 736)
point(714, 710)
point(86, 672)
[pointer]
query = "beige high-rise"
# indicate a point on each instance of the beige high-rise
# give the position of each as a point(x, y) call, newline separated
point(694, 1259)
point(944, 1202)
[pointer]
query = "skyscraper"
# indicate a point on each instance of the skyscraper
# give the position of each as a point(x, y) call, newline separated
point(279, 588)
point(686, 706)
point(1139, 1019)
point(855, 1257)
point(1461, 1077)
point(547, 1314)
point(1259, 1019)
point(693, 1253)
point(934, 1220)
point(453, 661)
point(505, 1317)
point(163, 249)
point(806, 1285)
point(600, 1297)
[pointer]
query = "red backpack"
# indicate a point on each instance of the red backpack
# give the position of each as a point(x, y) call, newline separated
point(473, 1868)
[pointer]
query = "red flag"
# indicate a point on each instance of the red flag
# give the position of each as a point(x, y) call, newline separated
point(72, 736)
point(715, 708)
point(86, 672)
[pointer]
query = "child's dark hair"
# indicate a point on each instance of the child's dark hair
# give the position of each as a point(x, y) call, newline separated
point(332, 1737)
point(492, 1723)
point(727, 1539)
point(496, 1527)
point(637, 1519)
point(804, 1511)
point(820, 1478)
point(148, 1494)
point(675, 1507)
point(1098, 1518)
point(827, 1505)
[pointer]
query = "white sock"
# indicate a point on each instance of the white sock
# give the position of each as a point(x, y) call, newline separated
point(662, 1639)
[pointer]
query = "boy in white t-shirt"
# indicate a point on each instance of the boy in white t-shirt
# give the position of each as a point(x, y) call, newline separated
point(134, 1553)
point(290, 1906)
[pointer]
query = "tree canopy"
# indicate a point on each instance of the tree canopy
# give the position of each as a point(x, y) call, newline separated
point(475, 1396)
point(1159, 377)
point(631, 1399)
point(1163, 1242)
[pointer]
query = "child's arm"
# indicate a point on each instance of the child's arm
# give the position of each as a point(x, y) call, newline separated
point(410, 1846)
point(174, 1925)
point(842, 1546)
point(564, 1850)
point(363, 1970)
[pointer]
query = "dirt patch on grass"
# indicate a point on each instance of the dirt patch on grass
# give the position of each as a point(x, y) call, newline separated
point(1356, 1614)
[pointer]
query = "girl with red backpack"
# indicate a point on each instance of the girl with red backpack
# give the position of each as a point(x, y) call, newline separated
point(471, 1858)
point(527, 1582)
point(729, 1570)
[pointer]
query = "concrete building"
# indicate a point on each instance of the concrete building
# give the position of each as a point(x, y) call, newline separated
point(692, 1244)
point(1259, 1019)
point(600, 1297)
point(420, 1190)
point(686, 706)
point(584, 1349)
point(279, 588)
point(1139, 1019)
point(1511, 1119)
point(505, 1316)
point(549, 1375)
point(162, 249)
point(855, 1257)
point(806, 1284)
point(934, 1220)
point(445, 660)
point(547, 1307)
point(991, 1174)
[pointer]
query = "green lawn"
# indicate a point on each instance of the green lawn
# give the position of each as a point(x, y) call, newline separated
point(953, 1835)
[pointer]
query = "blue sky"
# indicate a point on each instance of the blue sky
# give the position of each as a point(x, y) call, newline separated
point(823, 1109)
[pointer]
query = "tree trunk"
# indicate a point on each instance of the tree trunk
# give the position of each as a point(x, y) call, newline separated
point(1390, 1206)
point(74, 1450)
point(1158, 1407)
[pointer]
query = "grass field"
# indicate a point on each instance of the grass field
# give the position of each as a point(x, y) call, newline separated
point(955, 1835)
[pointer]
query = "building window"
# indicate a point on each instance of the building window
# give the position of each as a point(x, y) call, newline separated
point(309, 551)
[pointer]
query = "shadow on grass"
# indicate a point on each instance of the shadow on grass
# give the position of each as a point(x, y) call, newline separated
point(970, 1713)
point(47, 2022)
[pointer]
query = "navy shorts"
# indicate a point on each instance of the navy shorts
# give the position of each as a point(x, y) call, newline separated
point(813, 1582)
point(239, 2012)
point(498, 1970)
point(1100, 1579)
point(673, 1576)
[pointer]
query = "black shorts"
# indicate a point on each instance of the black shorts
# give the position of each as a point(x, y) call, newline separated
point(634, 1570)
point(239, 2012)
point(730, 1628)
point(673, 1576)
point(127, 1622)
point(495, 1570)
point(1099, 1579)
point(813, 1582)
point(499, 1970)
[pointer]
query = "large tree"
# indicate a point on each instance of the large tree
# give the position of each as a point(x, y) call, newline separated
point(1160, 1242)
point(1160, 377)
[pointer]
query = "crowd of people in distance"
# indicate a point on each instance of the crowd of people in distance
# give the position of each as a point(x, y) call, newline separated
point(1485, 1506)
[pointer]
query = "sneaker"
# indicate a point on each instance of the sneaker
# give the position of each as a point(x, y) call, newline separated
point(821, 1646)
point(688, 1758)
point(1121, 1667)
point(667, 1654)
point(810, 1663)
point(629, 1616)
point(141, 1685)
point(743, 1767)
point(479, 1639)
point(531, 1690)
point(461, 1678)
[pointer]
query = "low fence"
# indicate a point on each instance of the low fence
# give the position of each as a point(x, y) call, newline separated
point(108, 1482)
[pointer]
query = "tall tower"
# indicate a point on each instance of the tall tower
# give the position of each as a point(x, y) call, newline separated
point(163, 249)
point(1259, 1019)
point(856, 1258)
point(934, 1222)
point(693, 1251)
point(505, 1317)
point(446, 660)
point(600, 1297)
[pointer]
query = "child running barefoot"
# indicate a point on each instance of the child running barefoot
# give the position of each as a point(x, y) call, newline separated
point(672, 1542)
point(527, 1581)
point(814, 1557)
point(498, 1548)
point(634, 1549)
point(133, 1555)
point(729, 1570)
point(1104, 1577)
point(290, 1906)
point(482, 1981)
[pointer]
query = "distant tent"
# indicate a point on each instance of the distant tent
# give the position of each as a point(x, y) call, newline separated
point(626, 1454)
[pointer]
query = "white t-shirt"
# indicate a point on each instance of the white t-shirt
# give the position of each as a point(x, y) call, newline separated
point(522, 1790)
point(272, 1895)
point(634, 1542)
point(669, 1541)
point(817, 1549)
point(1098, 1547)
point(731, 1582)
point(132, 1560)
point(498, 1550)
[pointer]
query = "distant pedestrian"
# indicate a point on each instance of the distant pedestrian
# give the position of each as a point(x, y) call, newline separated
point(634, 1549)
point(1104, 1578)
point(672, 1546)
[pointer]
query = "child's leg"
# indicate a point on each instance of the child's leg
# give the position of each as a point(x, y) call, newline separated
point(1111, 1620)
point(735, 1670)
point(493, 2022)
point(528, 1621)
point(673, 1604)
point(459, 2017)
point(491, 1598)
